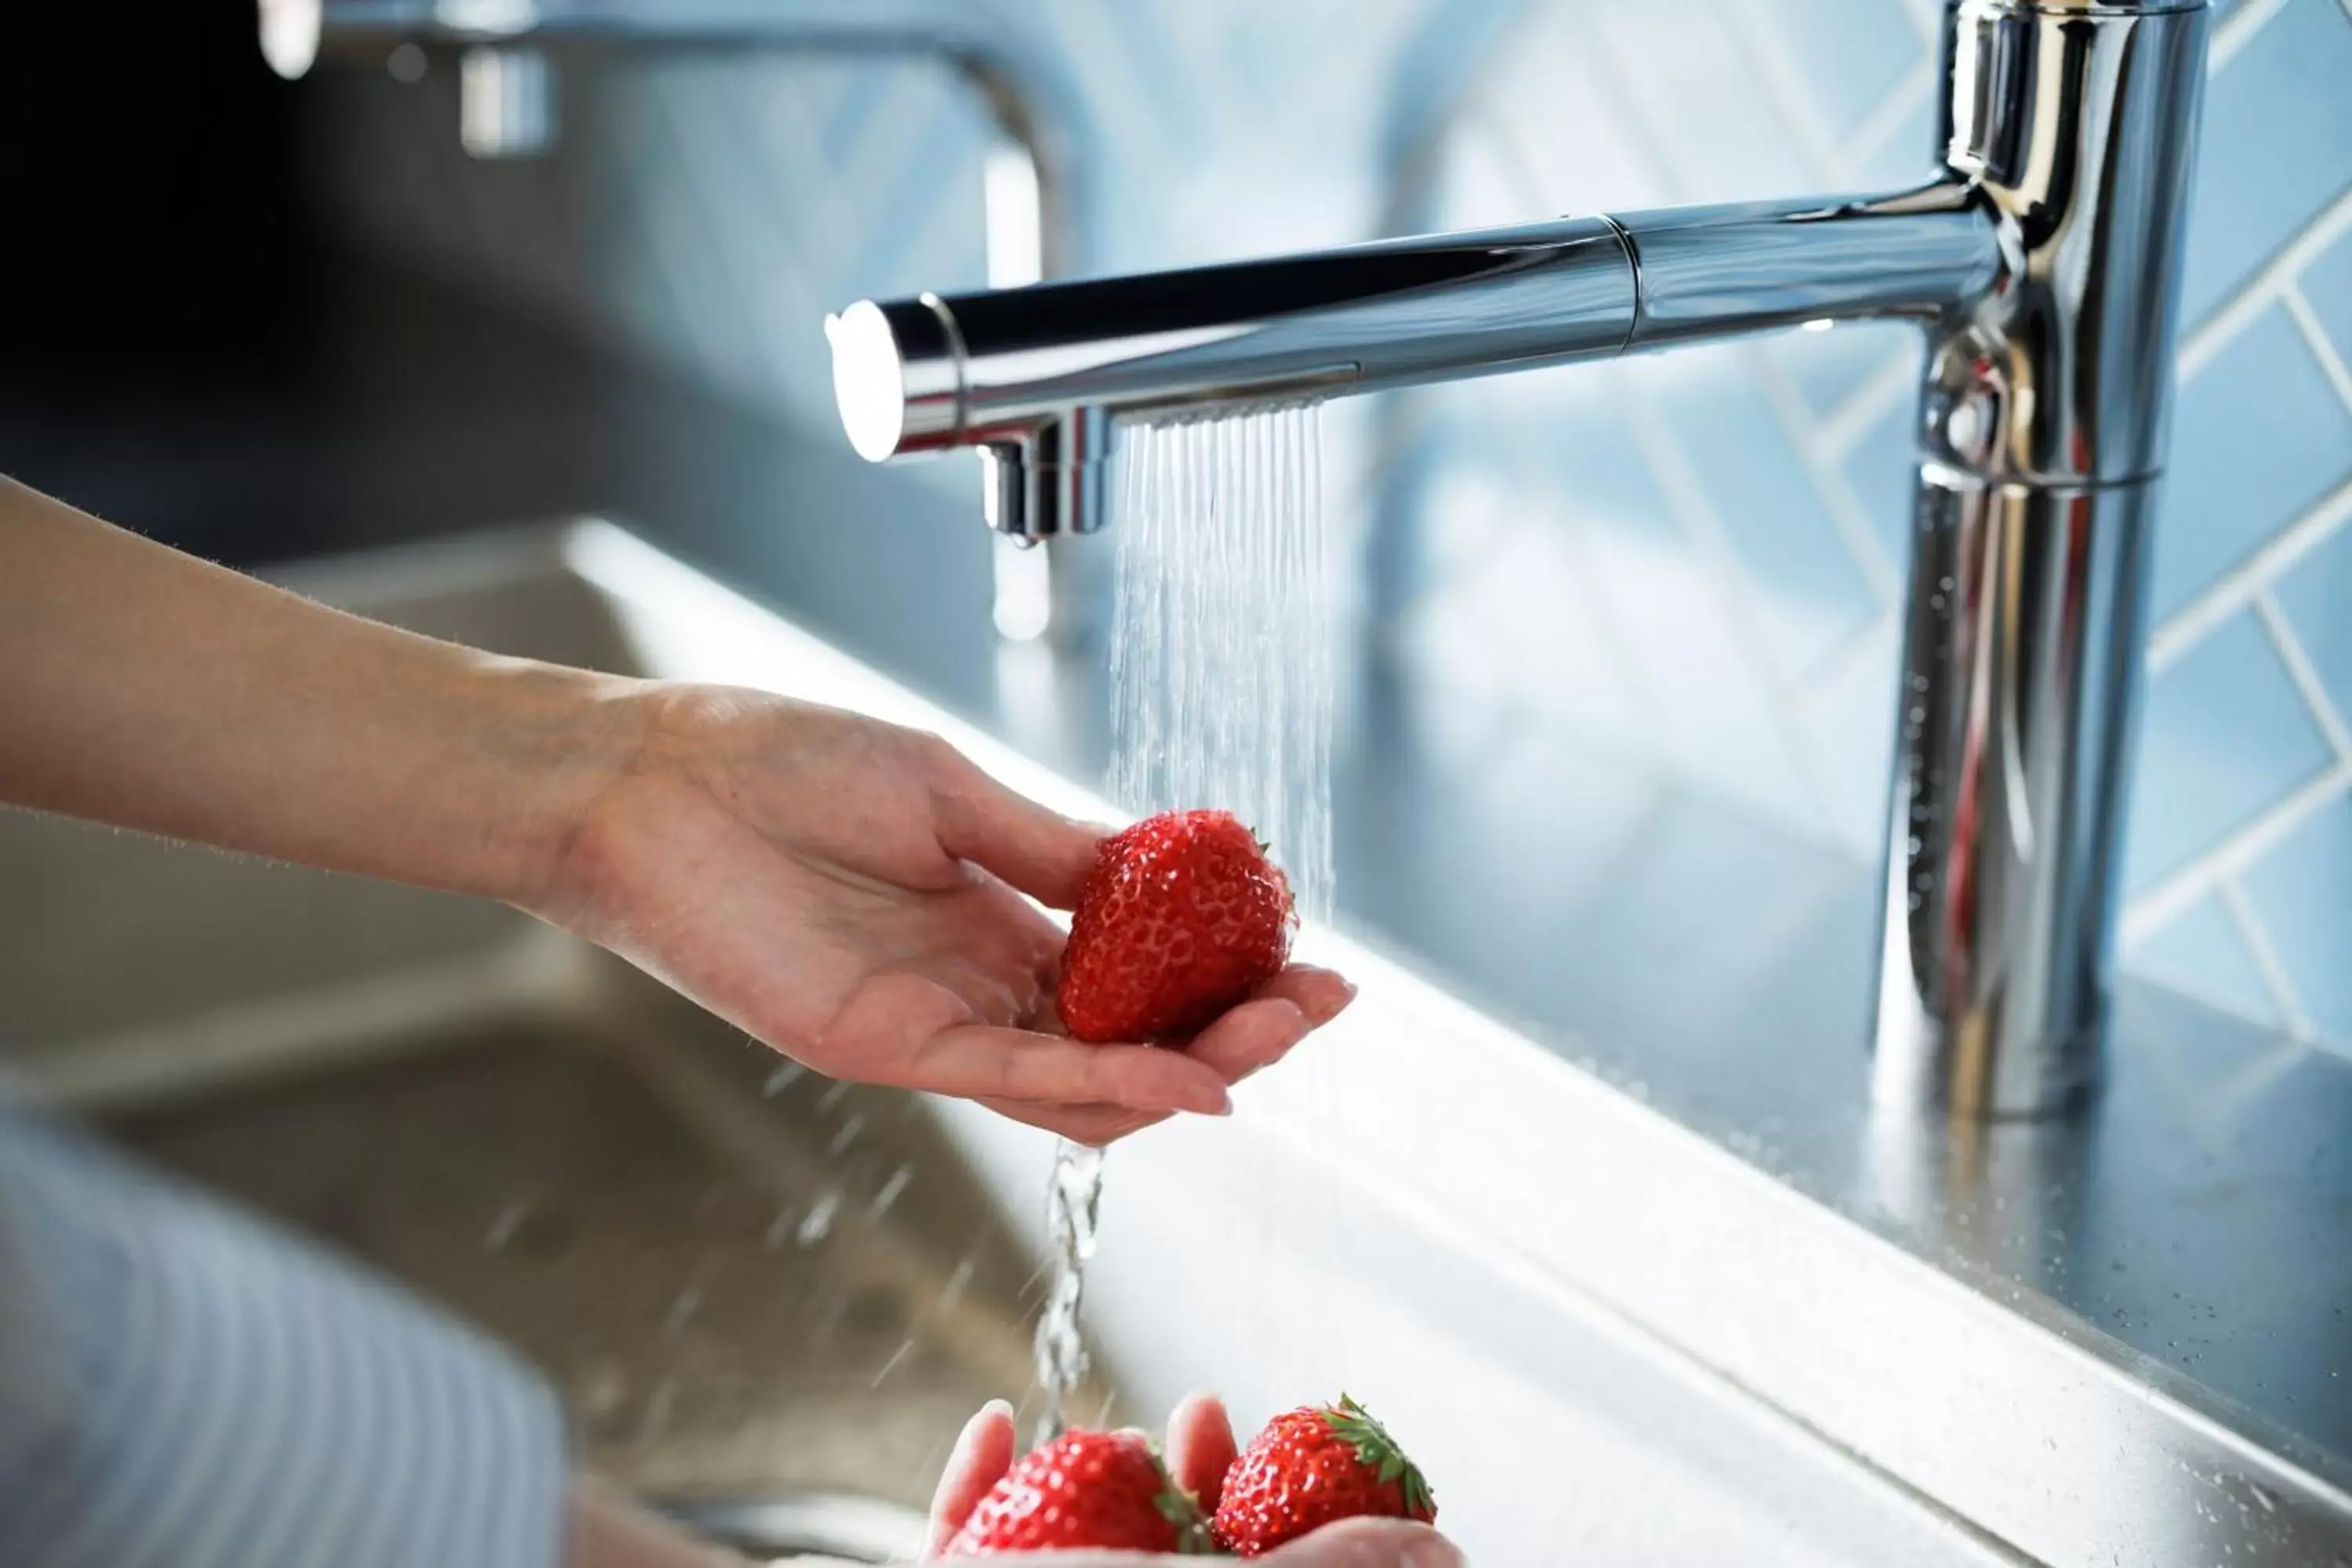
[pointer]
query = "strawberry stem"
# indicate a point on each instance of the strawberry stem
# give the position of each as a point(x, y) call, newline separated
point(1179, 1508)
point(1354, 1425)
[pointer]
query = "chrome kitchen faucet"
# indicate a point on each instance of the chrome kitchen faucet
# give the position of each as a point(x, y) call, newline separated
point(2043, 263)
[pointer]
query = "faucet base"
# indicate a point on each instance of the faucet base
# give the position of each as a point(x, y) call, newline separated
point(2004, 830)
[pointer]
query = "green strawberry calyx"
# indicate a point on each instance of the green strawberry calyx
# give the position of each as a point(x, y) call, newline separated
point(1178, 1507)
point(1378, 1452)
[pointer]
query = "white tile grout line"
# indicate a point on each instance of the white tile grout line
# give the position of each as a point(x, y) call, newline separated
point(1799, 114)
point(2153, 909)
point(1886, 117)
point(2305, 678)
point(2219, 329)
point(1852, 656)
point(1927, 18)
point(2267, 963)
point(1842, 428)
point(1687, 500)
point(2238, 29)
point(2315, 338)
point(1846, 513)
point(2232, 592)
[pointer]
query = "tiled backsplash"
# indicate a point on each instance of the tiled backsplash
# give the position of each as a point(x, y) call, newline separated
point(1690, 561)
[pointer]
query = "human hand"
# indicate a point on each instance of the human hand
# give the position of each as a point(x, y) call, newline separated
point(849, 892)
point(1199, 1451)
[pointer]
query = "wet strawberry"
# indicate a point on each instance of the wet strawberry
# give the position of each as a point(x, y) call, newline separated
point(1310, 1467)
point(1183, 917)
point(1103, 1492)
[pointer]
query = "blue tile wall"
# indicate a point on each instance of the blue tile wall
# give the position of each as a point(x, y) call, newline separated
point(1728, 527)
point(2261, 435)
point(2316, 596)
point(2204, 953)
point(2298, 892)
point(2278, 146)
point(2224, 734)
point(2327, 284)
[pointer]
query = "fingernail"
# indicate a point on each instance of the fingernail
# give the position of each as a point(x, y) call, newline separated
point(1431, 1554)
point(1344, 994)
point(1212, 1100)
point(998, 1407)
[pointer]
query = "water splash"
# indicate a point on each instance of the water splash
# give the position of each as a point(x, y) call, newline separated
point(1222, 694)
point(1074, 1211)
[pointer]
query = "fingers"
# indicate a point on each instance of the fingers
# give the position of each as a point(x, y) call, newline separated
point(1249, 1039)
point(1095, 1125)
point(1262, 1030)
point(1369, 1544)
point(978, 1061)
point(982, 1454)
point(1034, 847)
point(1200, 1448)
point(1320, 994)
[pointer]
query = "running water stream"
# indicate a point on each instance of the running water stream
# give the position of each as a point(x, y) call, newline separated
point(1221, 695)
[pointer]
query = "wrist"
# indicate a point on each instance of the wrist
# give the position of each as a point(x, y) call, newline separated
point(563, 739)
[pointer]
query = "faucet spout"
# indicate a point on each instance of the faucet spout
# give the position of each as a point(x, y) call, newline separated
point(2043, 267)
point(1037, 376)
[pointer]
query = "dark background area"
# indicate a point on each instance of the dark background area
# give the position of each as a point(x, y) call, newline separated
point(185, 348)
point(188, 348)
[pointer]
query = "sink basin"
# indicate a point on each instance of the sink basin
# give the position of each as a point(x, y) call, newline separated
point(757, 1290)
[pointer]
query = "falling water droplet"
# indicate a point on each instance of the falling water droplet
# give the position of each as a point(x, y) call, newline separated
point(889, 1192)
point(848, 1134)
point(818, 1223)
point(1223, 674)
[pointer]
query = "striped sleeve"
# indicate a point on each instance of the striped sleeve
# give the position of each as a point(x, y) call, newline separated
point(182, 1385)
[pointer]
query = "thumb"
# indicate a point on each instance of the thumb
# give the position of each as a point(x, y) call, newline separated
point(1370, 1543)
point(983, 1453)
point(1038, 849)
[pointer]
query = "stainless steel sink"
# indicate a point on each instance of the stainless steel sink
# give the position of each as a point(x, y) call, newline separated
point(772, 1300)
point(751, 1285)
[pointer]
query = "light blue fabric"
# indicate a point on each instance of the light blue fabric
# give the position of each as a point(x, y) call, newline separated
point(182, 1385)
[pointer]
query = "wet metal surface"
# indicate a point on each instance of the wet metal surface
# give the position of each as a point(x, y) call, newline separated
point(2197, 1212)
point(733, 1290)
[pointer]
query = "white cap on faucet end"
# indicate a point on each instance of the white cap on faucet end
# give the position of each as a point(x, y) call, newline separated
point(867, 384)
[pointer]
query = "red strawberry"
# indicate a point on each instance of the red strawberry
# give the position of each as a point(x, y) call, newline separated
point(1182, 916)
point(1310, 1467)
point(1103, 1492)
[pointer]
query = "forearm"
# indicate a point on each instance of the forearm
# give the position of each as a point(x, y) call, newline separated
point(142, 687)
